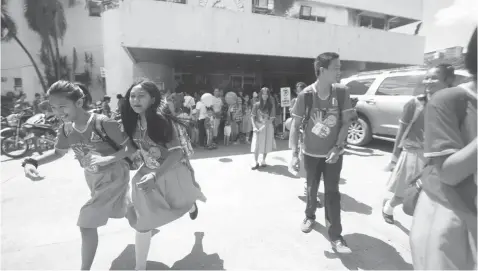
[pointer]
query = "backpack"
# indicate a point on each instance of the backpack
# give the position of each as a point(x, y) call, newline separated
point(99, 129)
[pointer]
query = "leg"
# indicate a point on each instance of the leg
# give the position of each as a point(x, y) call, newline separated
point(313, 167)
point(263, 163)
point(202, 132)
point(89, 244)
point(332, 198)
point(142, 244)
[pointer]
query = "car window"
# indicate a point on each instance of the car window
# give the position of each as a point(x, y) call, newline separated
point(461, 79)
point(402, 85)
point(360, 86)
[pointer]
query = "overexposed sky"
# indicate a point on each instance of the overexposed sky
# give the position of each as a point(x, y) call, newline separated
point(446, 23)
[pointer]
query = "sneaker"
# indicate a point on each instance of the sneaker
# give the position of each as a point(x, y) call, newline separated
point(256, 166)
point(341, 246)
point(307, 225)
point(263, 164)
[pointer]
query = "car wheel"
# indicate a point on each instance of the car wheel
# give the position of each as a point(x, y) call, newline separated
point(359, 132)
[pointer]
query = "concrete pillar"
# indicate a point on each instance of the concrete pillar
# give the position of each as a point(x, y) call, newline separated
point(118, 65)
point(155, 72)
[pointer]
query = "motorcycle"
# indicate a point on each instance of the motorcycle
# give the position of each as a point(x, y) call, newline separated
point(12, 124)
point(37, 133)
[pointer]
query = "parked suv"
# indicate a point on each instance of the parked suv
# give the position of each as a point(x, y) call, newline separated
point(381, 97)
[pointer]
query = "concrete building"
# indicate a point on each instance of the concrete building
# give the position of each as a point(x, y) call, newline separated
point(250, 43)
point(84, 33)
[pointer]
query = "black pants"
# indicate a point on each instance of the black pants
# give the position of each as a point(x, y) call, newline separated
point(202, 133)
point(314, 168)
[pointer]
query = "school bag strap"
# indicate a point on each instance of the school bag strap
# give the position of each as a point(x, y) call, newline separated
point(99, 129)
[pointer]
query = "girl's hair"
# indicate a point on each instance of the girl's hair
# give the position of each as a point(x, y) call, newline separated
point(72, 91)
point(159, 118)
point(249, 102)
point(267, 105)
point(301, 85)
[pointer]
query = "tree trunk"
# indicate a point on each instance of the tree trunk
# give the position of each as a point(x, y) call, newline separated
point(57, 49)
point(35, 66)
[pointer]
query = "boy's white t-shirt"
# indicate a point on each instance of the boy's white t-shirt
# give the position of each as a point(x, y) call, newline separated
point(201, 107)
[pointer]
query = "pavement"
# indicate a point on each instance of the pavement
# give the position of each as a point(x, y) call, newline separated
point(251, 219)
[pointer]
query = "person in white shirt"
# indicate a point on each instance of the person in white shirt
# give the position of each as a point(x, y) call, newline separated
point(217, 107)
point(202, 111)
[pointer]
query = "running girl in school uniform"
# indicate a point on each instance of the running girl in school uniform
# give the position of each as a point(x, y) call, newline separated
point(106, 172)
point(164, 188)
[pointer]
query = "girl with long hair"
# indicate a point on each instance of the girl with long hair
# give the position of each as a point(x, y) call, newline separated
point(106, 172)
point(262, 117)
point(164, 188)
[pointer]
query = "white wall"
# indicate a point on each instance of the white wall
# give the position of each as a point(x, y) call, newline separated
point(217, 30)
point(118, 64)
point(83, 32)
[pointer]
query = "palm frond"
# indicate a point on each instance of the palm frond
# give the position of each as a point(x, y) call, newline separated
point(9, 28)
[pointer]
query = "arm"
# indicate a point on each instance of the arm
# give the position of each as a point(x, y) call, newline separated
point(405, 120)
point(347, 115)
point(175, 154)
point(444, 145)
point(115, 131)
point(253, 117)
point(297, 113)
point(61, 148)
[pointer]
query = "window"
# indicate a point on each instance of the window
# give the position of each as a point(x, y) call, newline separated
point(261, 3)
point(371, 22)
point(305, 11)
point(402, 85)
point(360, 86)
point(17, 82)
point(460, 79)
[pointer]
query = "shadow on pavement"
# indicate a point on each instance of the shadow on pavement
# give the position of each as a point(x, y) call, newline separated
point(401, 227)
point(370, 253)
point(278, 170)
point(232, 150)
point(197, 259)
point(349, 204)
point(371, 149)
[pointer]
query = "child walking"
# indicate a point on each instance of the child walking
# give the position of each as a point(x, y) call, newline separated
point(209, 125)
point(106, 172)
point(164, 188)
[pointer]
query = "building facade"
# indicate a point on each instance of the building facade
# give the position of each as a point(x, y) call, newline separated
point(82, 44)
point(200, 44)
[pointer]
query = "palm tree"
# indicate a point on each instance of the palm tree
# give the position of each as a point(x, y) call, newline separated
point(47, 19)
point(9, 32)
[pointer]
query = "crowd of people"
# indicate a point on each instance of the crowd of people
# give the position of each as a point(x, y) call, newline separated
point(436, 141)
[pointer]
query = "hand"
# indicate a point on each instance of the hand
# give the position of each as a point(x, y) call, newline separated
point(295, 162)
point(255, 130)
point(333, 156)
point(147, 182)
point(391, 166)
point(98, 160)
point(31, 173)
